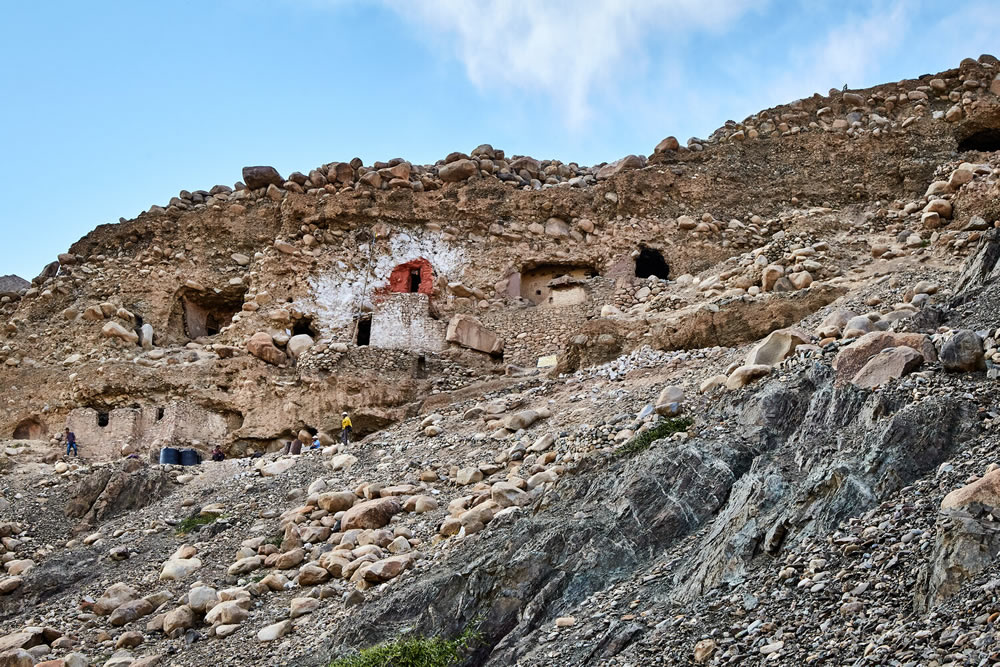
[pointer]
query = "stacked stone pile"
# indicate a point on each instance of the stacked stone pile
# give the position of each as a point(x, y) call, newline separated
point(883, 111)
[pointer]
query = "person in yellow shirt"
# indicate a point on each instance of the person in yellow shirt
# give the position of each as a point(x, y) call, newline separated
point(345, 429)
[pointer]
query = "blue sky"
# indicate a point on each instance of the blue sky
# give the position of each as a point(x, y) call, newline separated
point(107, 107)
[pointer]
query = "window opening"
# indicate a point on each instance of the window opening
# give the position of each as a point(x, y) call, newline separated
point(364, 331)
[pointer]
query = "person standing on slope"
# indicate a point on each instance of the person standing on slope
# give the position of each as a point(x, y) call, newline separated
point(345, 429)
point(71, 442)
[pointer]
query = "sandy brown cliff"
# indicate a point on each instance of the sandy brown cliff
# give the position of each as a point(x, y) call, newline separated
point(514, 340)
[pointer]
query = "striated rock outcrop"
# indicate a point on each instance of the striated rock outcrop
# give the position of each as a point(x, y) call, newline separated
point(730, 403)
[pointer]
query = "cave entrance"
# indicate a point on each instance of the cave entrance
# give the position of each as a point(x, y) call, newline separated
point(364, 336)
point(29, 429)
point(303, 325)
point(986, 141)
point(103, 419)
point(206, 314)
point(650, 262)
point(414, 281)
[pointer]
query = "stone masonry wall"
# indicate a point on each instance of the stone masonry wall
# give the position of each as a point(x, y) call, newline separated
point(403, 322)
point(143, 429)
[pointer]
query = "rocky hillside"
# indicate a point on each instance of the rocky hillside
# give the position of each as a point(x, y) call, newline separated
point(13, 285)
point(728, 403)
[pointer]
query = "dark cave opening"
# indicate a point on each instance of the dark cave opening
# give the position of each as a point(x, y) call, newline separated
point(986, 141)
point(650, 262)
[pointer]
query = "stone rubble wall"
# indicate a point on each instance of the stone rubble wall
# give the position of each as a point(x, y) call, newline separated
point(403, 321)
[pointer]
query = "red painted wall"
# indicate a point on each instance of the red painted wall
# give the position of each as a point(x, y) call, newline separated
point(399, 279)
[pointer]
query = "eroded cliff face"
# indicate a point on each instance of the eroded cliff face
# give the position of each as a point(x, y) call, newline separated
point(702, 406)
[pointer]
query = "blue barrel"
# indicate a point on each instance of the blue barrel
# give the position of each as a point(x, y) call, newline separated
point(170, 456)
point(190, 457)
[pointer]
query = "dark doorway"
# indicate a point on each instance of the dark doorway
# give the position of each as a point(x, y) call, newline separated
point(364, 330)
point(650, 262)
point(213, 324)
point(986, 141)
point(29, 429)
point(414, 281)
point(159, 413)
point(206, 314)
point(102, 419)
point(303, 325)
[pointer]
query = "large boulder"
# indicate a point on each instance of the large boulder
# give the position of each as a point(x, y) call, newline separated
point(668, 403)
point(891, 363)
point(776, 347)
point(201, 597)
point(371, 514)
point(302, 606)
point(115, 596)
point(855, 356)
point(229, 612)
point(115, 330)
point(858, 326)
point(178, 620)
point(520, 420)
point(298, 344)
point(261, 177)
point(245, 565)
point(668, 144)
point(963, 352)
point(179, 568)
point(618, 166)
point(506, 494)
point(469, 332)
point(556, 228)
point(274, 631)
point(744, 375)
point(527, 164)
point(311, 575)
point(940, 206)
point(130, 611)
point(262, 346)
point(770, 276)
point(276, 468)
point(985, 490)
point(16, 658)
point(834, 323)
point(337, 501)
point(387, 568)
point(458, 171)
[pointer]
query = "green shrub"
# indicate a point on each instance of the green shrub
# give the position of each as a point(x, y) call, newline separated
point(193, 523)
point(414, 652)
point(646, 438)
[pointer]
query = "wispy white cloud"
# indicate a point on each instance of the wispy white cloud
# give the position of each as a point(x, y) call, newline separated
point(848, 53)
point(568, 50)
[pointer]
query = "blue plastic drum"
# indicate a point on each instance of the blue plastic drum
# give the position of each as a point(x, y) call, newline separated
point(170, 456)
point(190, 457)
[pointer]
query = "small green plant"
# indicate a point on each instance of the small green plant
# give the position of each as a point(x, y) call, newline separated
point(646, 438)
point(414, 652)
point(275, 539)
point(193, 523)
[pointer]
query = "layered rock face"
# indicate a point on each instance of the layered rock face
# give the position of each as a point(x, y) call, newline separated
point(728, 403)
